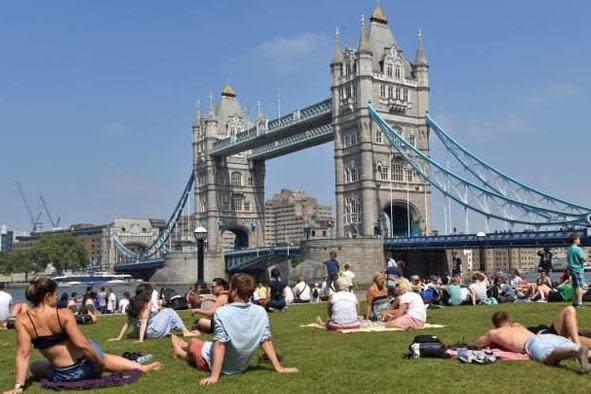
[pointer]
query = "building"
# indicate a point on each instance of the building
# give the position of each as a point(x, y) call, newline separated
point(136, 234)
point(376, 193)
point(6, 239)
point(291, 216)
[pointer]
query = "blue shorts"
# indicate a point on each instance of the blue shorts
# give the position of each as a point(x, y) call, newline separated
point(578, 278)
point(82, 370)
point(540, 346)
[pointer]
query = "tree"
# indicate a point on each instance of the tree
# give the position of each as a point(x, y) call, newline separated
point(5, 264)
point(21, 260)
point(62, 250)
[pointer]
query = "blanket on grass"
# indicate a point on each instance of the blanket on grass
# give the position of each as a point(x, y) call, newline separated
point(112, 380)
point(367, 326)
point(500, 354)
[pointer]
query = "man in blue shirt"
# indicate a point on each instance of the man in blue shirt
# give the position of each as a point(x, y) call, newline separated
point(332, 269)
point(575, 257)
point(239, 329)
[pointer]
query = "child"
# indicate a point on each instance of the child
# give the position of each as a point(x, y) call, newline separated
point(232, 349)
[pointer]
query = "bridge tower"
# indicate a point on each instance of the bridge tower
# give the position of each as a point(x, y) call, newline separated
point(229, 191)
point(375, 192)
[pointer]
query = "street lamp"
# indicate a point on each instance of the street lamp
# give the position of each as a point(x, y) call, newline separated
point(200, 235)
point(481, 236)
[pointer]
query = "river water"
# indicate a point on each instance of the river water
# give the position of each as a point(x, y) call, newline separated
point(18, 292)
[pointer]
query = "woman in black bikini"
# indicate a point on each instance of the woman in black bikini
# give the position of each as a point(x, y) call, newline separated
point(54, 332)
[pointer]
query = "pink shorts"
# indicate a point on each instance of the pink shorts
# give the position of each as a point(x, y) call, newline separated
point(407, 322)
point(195, 358)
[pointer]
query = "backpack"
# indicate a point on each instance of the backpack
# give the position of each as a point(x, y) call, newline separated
point(315, 293)
point(427, 346)
point(83, 319)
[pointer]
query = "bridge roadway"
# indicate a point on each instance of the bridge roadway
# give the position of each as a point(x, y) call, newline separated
point(300, 129)
point(254, 258)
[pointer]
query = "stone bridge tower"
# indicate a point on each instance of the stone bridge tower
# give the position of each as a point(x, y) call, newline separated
point(229, 191)
point(376, 193)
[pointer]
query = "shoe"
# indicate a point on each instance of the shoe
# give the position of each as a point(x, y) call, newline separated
point(541, 300)
point(579, 306)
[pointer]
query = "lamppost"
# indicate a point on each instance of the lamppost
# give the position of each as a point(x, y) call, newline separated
point(200, 235)
point(481, 237)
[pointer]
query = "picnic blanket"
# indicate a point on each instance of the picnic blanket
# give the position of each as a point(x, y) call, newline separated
point(369, 326)
point(500, 354)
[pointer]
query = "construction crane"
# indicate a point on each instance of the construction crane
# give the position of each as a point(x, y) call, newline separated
point(35, 223)
point(54, 225)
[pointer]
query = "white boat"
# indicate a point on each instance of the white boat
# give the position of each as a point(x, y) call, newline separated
point(93, 279)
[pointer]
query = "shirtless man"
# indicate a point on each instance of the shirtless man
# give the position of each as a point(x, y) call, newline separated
point(219, 289)
point(548, 349)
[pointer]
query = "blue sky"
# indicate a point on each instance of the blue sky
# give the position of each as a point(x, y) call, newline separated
point(97, 98)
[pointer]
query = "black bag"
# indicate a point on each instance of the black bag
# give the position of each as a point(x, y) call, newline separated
point(178, 303)
point(554, 296)
point(427, 346)
point(83, 319)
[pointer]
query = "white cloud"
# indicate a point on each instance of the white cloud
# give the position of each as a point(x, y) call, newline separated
point(291, 48)
point(553, 94)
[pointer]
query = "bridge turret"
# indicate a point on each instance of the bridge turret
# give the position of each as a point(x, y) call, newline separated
point(422, 75)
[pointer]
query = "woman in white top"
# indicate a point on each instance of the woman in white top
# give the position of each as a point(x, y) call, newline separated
point(409, 311)
point(478, 287)
point(342, 308)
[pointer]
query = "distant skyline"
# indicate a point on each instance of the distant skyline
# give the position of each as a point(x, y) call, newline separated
point(97, 98)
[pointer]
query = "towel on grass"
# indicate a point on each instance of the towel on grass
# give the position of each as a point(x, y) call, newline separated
point(500, 354)
point(368, 326)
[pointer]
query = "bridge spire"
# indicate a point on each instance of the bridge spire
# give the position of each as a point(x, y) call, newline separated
point(421, 59)
point(337, 54)
point(197, 119)
point(211, 114)
point(378, 14)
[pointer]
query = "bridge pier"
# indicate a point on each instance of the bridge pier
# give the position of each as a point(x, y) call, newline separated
point(181, 268)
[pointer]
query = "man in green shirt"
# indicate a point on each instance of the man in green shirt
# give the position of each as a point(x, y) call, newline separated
point(575, 257)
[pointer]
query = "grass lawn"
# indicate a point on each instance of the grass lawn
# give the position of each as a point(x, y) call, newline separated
point(361, 362)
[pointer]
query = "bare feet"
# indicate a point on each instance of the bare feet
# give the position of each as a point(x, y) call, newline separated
point(319, 321)
point(582, 356)
point(191, 334)
point(151, 367)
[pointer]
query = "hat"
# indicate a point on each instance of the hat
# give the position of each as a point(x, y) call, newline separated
point(414, 277)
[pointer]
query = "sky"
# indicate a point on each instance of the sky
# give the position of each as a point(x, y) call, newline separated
point(97, 98)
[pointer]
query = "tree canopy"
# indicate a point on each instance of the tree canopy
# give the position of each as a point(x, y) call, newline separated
point(62, 250)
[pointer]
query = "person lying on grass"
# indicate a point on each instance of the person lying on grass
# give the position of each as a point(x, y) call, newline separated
point(54, 332)
point(548, 349)
point(149, 325)
point(565, 324)
point(239, 328)
point(409, 311)
point(219, 297)
point(342, 308)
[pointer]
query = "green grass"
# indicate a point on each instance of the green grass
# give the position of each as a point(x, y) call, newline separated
point(335, 363)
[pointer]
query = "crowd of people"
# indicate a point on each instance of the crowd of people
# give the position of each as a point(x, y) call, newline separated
point(235, 313)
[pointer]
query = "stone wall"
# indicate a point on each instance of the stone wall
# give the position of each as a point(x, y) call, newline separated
point(365, 255)
point(181, 268)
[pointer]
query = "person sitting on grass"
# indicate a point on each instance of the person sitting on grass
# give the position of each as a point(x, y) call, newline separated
point(542, 288)
point(210, 303)
point(342, 308)
point(478, 287)
point(454, 292)
point(377, 297)
point(548, 349)
point(277, 291)
point(301, 291)
point(149, 325)
point(260, 295)
point(409, 311)
point(70, 355)
point(239, 328)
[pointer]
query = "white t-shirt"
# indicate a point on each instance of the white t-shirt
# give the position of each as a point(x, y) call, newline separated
point(516, 281)
point(416, 307)
point(112, 302)
point(480, 290)
point(304, 291)
point(123, 304)
point(288, 294)
point(350, 275)
point(344, 308)
point(154, 301)
point(464, 294)
point(5, 304)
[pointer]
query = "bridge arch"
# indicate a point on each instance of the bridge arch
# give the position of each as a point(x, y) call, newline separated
point(395, 219)
point(234, 236)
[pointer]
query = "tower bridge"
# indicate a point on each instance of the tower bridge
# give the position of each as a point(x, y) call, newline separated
point(377, 118)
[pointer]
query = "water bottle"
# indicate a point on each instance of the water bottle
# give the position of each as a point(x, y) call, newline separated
point(145, 359)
